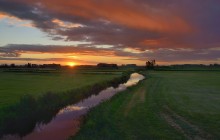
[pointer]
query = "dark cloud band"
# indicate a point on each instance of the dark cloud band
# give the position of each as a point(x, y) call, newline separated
point(162, 30)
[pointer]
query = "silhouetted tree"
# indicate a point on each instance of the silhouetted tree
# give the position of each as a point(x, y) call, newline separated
point(150, 64)
point(12, 65)
point(29, 65)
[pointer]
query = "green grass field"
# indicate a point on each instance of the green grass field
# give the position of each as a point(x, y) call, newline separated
point(14, 85)
point(167, 105)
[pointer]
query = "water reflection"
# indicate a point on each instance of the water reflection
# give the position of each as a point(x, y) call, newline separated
point(67, 120)
point(103, 95)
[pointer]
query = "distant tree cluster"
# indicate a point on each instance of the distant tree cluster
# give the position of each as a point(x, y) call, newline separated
point(196, 66)
point(190, 67)
point(29, 65)
point(8, 66)
point(150, 64)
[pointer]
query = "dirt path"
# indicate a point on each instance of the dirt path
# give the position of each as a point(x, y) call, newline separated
point(138, 97)
point(190, 131)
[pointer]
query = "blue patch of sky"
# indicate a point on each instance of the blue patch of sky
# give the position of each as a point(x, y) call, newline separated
point(13, 33)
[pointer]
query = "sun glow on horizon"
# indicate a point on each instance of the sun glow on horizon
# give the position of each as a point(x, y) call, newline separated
point(71, 64)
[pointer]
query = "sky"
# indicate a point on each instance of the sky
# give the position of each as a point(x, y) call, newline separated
point(87, 32)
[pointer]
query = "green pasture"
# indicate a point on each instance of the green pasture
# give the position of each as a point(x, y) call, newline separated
point(166, 105)
point(13, 85)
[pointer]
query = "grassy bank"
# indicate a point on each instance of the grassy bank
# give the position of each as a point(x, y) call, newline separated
point(22, 116)
point(167, 105)
point(15, 85)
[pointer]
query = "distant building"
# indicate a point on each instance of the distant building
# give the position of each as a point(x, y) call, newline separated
point(51, 66)
point(85, 66)
point(131, 65)
point(105, 65)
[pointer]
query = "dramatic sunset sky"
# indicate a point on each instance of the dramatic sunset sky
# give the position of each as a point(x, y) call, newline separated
point(111, 31)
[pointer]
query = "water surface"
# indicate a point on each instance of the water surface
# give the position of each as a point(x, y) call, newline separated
point(67, 121)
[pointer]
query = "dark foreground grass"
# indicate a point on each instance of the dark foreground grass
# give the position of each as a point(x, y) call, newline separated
point(20, 118)
point(167, 105)
point(14, 85)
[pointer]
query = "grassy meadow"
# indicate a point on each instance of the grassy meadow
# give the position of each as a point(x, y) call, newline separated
point(27, 98)
point(166, 105)
point(14, 85)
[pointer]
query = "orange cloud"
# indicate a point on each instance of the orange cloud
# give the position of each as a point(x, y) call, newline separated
point(66, 24)
point(150, 42)
point(12, 20)
point(165, 42)
point(121, 12)
point(2, 15)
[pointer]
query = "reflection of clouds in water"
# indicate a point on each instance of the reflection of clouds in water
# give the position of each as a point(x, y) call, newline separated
point(130, 83)
point(70, 109)
point(103, 95)
point(64, 119)
point(121, 87)
point(134, 79)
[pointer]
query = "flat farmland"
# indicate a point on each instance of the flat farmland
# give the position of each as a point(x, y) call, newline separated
point(14, 85)
point(166, 105)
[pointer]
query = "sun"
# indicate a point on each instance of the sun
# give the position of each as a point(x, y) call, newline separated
point(71, 64)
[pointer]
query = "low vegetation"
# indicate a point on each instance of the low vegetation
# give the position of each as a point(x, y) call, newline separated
point(14, 85)
point(167, 105)
point(20, 116)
